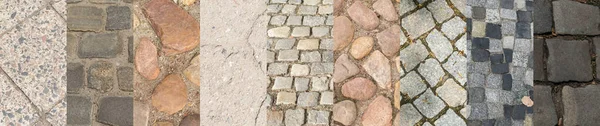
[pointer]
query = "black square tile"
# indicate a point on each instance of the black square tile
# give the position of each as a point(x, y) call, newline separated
point(497, 58)
point(519, 112)
point(480, 55)
point(523, 30)
point(500, 68)
point(493, 31)
point(507, 81)
point(480, 43)
point(524, 16)
point(478, 12)
point(508, 53)
point(507, 4)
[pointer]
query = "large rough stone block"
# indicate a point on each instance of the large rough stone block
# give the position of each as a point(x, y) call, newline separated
point(544, 110)
point(75, 77)
point(178, 31)
point(79, 112)
point(116, 111)
point(99, 45)
point(581, 105)
point(542, 17)
point(118, 18)
point(575, 18)
point(85, 18)
point(538, 53)
point(568, 60)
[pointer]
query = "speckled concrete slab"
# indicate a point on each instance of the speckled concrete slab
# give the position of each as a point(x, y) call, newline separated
point(33, 55)
point(15, 11)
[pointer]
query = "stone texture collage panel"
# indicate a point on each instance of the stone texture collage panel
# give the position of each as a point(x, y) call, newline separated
point(567, 40)
point(500, 62)
point(165, 49)
point(99, 72)
point(300, 62)
point(32, 63)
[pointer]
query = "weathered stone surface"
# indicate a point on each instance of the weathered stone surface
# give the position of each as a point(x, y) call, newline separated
point(80, 109)
point(412, 85)
point(76, 76)
point(327, 98)
point(454, 27)
point(192, 72)
point(116, 111)
point(386, 9)
point(286, 98)
point(432, 71)
point(319, 84)
point(568, 60)
point(170, 95)
point(190, 120)
point(440, 9)
point(538, 60)
point(363, 16)
point(378, 113)
point(99, 45)
point(343, 32)
point(575, 18)
point(344, 68)
point(454, 67)
point(452, 93)
point(85, 18)
point(439, 45)
point(101, 76)
point(418, 23)
point(390, 40)
point(378, 66)
point(361, 47)
point(450, 119)
point(282, 83)
point(125, 78)
point(344, 112)
point(146, 59)
point(409, 114)
point(596, 41)
point(316, 117)
point(308, 99)
point(412, 55)
point(279, 32)
point(299, 70)
point(580, 108)
point(308, 44)
point(179, 31)
point(542, 22)
point(141, 113)
point(294, 117)
point(118, 18)
point(274, 118)
point(429, 104)
point(359, 88)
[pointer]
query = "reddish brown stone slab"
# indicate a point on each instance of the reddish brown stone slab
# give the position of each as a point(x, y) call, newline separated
point(170, 95)
point(389, 40)
point(343, 31)
point(378, 113)
point(359, 89)
point(146, 59)
point(179, 31)
point(363, 16)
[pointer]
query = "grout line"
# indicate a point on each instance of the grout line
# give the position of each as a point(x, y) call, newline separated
point(42, 115)
point(56, 11)
point(34, 13)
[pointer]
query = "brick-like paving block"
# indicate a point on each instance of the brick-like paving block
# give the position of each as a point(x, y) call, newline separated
point(99, 45)
point(568, 60)
point(543, 16)
point(80, 110)
point(76, 77)
point(85, 18)
point(581, 106)
point(574, 18)
point(116, 110)
point(118, 18)
point(544, 109)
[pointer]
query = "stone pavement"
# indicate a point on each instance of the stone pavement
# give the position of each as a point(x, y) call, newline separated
point(501, 62)
point(99, 70)
point(567, 40)
point(166, 38)
point(33, 63)
point(300, 62)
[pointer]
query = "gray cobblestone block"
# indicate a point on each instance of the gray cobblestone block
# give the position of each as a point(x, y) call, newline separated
point(497, 58)
point(80, 110)
point(477, 3)
point(301, 84)
point(478, 12)
point(75, 77)
point(544, 110)
point(327, 98)
point(326, 44)
point(270, 56)
point(308, 44)
point(312, 56)
point(274, 8)
point(476, 80)
point(493, 31)
point(287, 98)
point(543, 16)
point(321, 68)
point(104, 1)
point(308, 99)
point(301, 32)
point(327, 56)
point(509, 27)
point(313, 20)
point(277, 68)
point(508, 14)
point(101, 76)
point(294, 20)
point(316, 117)
point(492, 16)
point(476, 95)
point(279, 1)
point(320, 31)
point(507, 4)
point(284, 43)
point(319, 84)
point(118, 18)
point(294, 117)
point(282, 83)
point(479, 111)
point(507, 82)
point(325, 9)
point(571, 17)
point(500, 68)
point(508, 54)
point(125, 78)
point(524, 16)
point(494, 81)
point(538, 52)
point(116, 111)
point(99, 45)
point(299, 70)
point(523, 30)
point(311, 2)
point(578, 66)
point(495, 110)
point(295, 1)
point(329, 20)
point(508, 42)
point(492, 4)
point(278, 20)
point(288, 9)
point(274, 118)
point(85, 18)
point(288, 55)
point(480, 43)
point(480, 55)
point(307, 10)
point(495, 46)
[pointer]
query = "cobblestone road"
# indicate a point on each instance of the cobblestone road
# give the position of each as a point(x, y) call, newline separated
point(33, 62)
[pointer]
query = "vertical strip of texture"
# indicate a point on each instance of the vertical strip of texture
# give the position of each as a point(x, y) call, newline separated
point(566, 47)
point(300, 60)
point(165, 56)
point(32, 63)
point(99, 72)
point(501, 62)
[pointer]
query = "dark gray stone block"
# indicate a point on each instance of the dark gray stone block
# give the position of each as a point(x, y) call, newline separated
point(493, 31)
point(568, 60)
point(538, 53)
point(542, 19)
point(118, 18)
point(574, 18)
point(75, 77)
point(80, 110)
point(480, 55)
point(116, 111)
point(99, 45)
point(581, 105)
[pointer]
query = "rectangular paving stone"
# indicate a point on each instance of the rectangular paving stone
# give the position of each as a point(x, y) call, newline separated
point(568, 60)
point(118, 18)
point(301, 84)
point(282, 83)
point(538, 53)
point(286, 98)
point(85, 18)
point(308, 99)
point(574, 18)
point(99, 45)
point(79, 110)
point(125, 78)
point(288, 55)
point(76, 76)
point(579, 107)
point(544, 109)
point(542, 16)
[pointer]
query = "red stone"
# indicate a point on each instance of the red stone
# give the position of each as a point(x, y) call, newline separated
point(359, 89)
point(363, 16)
point(170, 95)
point(389, 40)
point(378, 113)
point(190, 120)
point(343, 31)
point(146, 59)
point(386, 9)
point(179, 31)
point(344, 68)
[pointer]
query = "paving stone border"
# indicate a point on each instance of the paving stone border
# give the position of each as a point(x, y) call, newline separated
point(300, 62)
point(166, 59)
point(100, 72)
point(501, 62)
point(567, 39)
point(32, 66)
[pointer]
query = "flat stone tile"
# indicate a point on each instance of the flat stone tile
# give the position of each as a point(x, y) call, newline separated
point(568, 60)
point(579, 108)
point(15, 109)
point(571, 17)
point(14, 11)
point(544, 110)
point(58, 115)
point(34, 55)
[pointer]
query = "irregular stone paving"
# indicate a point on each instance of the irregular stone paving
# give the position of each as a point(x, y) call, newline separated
point(500, 62)
point(166, 62)
point(33, 67)
point(567, 40)
point(400, 63)
point(300, 62)
point(99, 69)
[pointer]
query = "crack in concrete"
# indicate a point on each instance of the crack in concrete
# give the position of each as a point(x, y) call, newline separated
point(247, 38)
point(12, 82)
point(259, 108)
